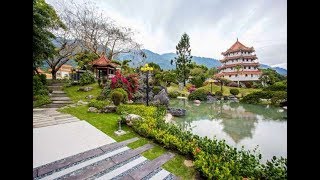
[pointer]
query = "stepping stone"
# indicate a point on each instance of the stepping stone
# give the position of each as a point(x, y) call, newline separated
point(160, 175)
point(60, 98)
point(58, 95)
point(150, 166)
point(82, 156)
point(58, 92)
point(135, 152)
point(61, 102)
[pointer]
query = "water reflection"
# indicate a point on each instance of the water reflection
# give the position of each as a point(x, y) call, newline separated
point(239, 124)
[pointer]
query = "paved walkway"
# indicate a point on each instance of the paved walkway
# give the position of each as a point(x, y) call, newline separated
point(66, 148)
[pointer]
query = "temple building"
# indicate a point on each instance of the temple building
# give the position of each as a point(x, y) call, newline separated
point(239, 64)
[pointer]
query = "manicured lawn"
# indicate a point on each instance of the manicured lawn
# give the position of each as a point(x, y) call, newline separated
point(76, 95)
point(107, 123)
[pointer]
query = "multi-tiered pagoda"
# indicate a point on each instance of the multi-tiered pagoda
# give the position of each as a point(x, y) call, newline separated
point(239, 64)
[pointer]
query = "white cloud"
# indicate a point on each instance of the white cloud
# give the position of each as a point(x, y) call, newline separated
point(213, 25)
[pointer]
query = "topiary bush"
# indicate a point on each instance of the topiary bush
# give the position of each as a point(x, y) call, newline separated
point(199, 94)
point(198, 80)
point(234, 91)
point(278, 97)
point(278, 86)
point(218, 93)
point(86, 78)
point(123, 92)
point(117, 97)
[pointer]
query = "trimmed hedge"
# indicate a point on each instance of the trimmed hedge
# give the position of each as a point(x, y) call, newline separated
point(199, 94)
point(213, 158)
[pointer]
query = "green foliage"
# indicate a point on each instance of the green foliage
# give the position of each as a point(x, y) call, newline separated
point(116, 97)
point(213, 158)
point(278, 97)
point(86, 78)
point(141, 110)
point(173, 94)
point(156, 90)
point(270, 76)
point(169, 77)
point(278, 86)
point(218, 93)
point(234, 91)
point(255, 98)
point(198, 80)
point(43, 79)
point(38, 87)
point(44, 19)
point(183, 58)
point(155, 66)
point(199, 94)
point(98, 104)
point(123, 92)
point(84, 58)
point(41, 100)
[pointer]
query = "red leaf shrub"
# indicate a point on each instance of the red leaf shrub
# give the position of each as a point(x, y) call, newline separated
point(129, 83)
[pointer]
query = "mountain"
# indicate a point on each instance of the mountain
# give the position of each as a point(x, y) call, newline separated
point(164, 60)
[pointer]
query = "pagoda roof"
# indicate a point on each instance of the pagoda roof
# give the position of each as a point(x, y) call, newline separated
point(240, 64)
point(240, 56)
point(103, 62)
point(238, 46)
point(240, 72)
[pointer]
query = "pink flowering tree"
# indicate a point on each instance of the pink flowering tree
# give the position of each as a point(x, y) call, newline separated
point(129, 84)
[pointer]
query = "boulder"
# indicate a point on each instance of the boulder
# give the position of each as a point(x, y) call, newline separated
point(211, 99)
point(197, 101)
point(93, 109)
point(85, 89)
point(130, 118)
point(110, 109)
point(177, 111)
point(89, 97)
point(162, 98)
point(80, 102)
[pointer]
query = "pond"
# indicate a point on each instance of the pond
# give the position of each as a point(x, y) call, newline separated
point(239, 124)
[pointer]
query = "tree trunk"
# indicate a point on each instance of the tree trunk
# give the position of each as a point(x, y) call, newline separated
point(54, 74)
point(221, 86)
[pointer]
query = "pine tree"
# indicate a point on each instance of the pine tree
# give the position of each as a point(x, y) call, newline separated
point(183, 59)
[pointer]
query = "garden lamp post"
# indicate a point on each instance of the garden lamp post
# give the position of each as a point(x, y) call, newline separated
point(211, 81)
point(147, 69)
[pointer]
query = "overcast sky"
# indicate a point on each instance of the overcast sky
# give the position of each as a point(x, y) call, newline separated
point(213, 25)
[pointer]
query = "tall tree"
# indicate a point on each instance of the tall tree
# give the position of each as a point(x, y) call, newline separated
point(183, 60)
point(44, 19)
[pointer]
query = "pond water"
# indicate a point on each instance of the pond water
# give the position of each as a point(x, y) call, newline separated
point(239, 124)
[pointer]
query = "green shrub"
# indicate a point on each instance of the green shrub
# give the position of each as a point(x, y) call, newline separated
point(234, 91)
point(198, 80)
point(278, 97)
point(123, 92)
point(212, 157)
point(278, 86)
point(199, 94)
point(117, 97)
point(43, 79)
point(86, 78)
point(156, 90)
point(218, 93)
point(41, 100)
point(173, 94)
point(38, 87)
point(255, 97)
point(98, 104)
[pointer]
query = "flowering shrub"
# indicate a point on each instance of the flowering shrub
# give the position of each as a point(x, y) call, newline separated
point(192, 88)
point(129, 83)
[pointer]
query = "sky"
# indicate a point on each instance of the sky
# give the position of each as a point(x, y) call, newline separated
point(212, 25)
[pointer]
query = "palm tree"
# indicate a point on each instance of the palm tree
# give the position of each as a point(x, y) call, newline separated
point(238, 67)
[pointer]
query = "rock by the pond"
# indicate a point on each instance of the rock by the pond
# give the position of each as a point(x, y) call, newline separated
point(162, 98)
point(177, 111)
point(233, 98)
point(130, 118)
point(89, 97)
point(93, 109)
point(110, 109)
point(168, 118)
point(211, 99)
point(197, 101)
point(85, 89)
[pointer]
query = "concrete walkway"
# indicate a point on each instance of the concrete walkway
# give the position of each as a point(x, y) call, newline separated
point(77, 150)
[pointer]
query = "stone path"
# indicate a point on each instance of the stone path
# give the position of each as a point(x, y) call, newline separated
point(43, 117)
point(59, 98)
point(111, 161)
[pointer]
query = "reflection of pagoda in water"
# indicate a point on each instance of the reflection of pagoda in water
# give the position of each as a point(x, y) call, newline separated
point(237, 122)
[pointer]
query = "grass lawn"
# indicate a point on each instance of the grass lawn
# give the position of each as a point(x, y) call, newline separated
point(76, 95)
point(107, 123)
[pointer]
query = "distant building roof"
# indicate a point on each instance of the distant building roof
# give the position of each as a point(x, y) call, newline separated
point(102, 62)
